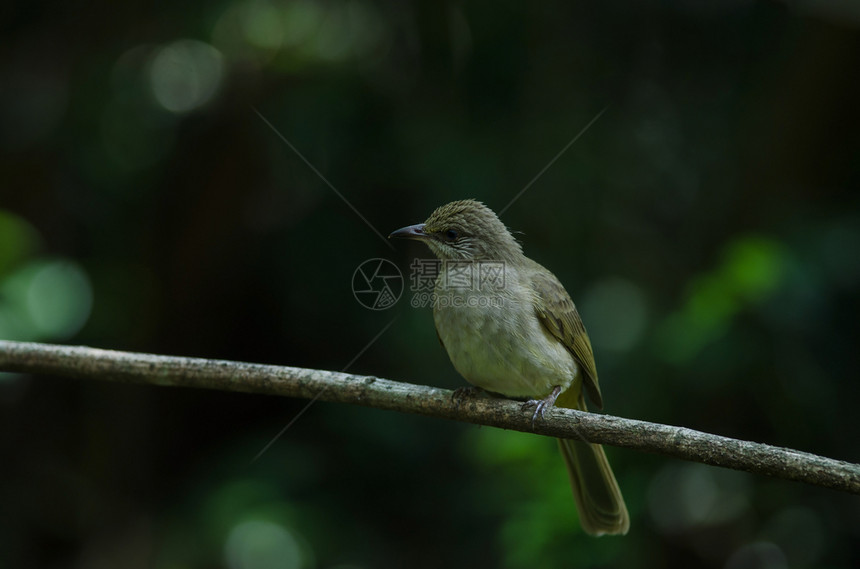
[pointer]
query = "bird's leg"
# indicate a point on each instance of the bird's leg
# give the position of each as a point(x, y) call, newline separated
point(542, 405)
point(467, 392)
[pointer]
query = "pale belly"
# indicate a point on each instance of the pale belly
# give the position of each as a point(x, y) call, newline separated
point(483, 349)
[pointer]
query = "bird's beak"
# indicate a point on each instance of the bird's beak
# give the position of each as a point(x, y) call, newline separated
point(412, 232)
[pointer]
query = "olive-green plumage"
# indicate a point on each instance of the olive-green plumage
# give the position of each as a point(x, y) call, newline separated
point(521, 337)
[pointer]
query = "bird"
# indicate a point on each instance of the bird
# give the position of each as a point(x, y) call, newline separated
point(510, 328)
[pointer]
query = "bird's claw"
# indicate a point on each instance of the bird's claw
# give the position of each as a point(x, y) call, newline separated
point(540, 408)
point(542, 405)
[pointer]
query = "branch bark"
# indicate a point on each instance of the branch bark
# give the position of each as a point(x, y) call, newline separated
point(678, 442)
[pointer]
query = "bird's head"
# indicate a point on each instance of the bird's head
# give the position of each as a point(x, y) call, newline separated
point(464, 230)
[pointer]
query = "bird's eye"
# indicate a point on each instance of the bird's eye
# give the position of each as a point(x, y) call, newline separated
point(451, 235)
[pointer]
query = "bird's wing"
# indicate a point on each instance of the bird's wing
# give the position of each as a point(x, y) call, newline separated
point(558, 314)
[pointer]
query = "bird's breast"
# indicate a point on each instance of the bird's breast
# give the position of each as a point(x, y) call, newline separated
point(496, 342)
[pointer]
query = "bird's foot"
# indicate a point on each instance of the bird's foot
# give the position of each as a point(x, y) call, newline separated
point(463, 393)
point(542, 405)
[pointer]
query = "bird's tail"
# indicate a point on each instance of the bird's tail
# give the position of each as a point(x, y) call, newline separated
point(598, 498)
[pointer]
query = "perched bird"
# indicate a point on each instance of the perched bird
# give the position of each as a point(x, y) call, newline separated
point(518, 334)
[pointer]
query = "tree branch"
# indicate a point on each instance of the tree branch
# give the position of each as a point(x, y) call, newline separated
point(677, 442)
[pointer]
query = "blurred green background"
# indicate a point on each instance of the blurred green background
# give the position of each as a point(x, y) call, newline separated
point(707, 225)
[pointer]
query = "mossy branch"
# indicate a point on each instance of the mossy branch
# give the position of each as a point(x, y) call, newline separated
point(678, 442)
